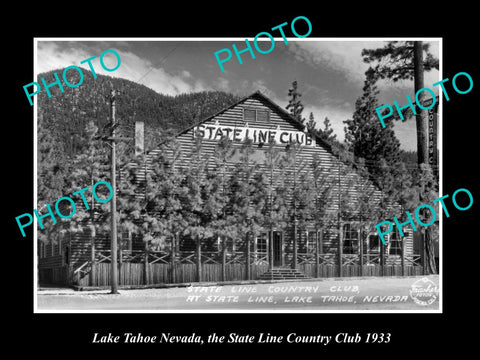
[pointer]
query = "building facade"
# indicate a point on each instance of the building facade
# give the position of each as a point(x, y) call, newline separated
point(332, 246)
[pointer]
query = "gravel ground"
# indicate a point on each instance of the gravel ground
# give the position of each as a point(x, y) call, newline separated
point(348, 294)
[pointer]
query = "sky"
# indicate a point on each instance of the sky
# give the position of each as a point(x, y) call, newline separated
point(330, 72)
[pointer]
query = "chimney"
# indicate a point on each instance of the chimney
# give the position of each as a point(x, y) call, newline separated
point(139, 137)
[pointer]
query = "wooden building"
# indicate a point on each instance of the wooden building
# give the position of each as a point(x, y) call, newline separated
point(349, 248)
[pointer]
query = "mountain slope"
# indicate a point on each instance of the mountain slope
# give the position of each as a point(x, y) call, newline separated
point(64, 116)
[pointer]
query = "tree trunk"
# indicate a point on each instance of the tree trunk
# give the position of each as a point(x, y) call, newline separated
point(92, 258)
point(224, 260)
point(146, 271)
point(317, 253)
point(199, 260)
point(382, 260)
point(247, 256)
point(340, 249)
point(422, 138)
point(172, 259)
point(270, 246)
point(431, 265)
point(295, 245)
point(422, 115)
point(360, 252)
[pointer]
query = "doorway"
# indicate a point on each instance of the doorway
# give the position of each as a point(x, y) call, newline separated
point(277, 241)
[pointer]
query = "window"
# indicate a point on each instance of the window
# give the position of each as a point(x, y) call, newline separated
point(263, 115)
point(262, 243)
point(229, 244)
point(251, 115)
point(311, 245)
point(41, 249)
point(60, 238)
point(350, 239)
point(373, 243)
point(126, 244)
point(66, 255)
point(395, 243)
point(187, 243)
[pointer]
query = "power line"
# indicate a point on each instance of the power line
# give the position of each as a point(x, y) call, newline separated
point(161, 61)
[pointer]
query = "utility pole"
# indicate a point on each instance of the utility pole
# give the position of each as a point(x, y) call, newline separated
point(113, 203)
point(111, 139)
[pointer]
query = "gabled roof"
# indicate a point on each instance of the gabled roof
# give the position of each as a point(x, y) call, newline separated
point(258, 94)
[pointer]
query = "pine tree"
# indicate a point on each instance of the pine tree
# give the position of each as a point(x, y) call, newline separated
point(88, 168)
point(298, 184)
point(247, 195)
point(365, 136)
point(153, 208)
point(327, 132)
point(366, 203)
point(82, 172)
point(52, 170)
point(322, 196)
point(425, 190)
point(294, 103)
point(404, 61)
point(219, 194)
point(311, 123)
point(202, 197)
point(275, 210)
point(323, 191)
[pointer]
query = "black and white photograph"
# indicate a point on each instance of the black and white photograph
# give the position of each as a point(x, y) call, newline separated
point(286, 174)
point(226, 180)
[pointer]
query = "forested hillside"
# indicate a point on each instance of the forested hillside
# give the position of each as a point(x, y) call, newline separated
point(63, 117)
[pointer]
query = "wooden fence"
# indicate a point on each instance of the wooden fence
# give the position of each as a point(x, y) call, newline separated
point(162, 268)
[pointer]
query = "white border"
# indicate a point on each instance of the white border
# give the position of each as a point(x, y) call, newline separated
point(253, 311)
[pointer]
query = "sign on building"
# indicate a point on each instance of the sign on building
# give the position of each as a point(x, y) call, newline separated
point(257, 135)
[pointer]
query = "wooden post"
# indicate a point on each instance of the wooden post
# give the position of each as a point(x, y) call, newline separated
point(382, 259)
point(92, 257)
point(402, 247)
point(340, 249)
point(360, 245)
point(224, 260)
point(247, 256)
point(120, 264)
point(270, 246)
point(173, 270)
point(146, 265)
point(295, 250)
point(317, 253)
point(199, 260)
point(321, 241)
